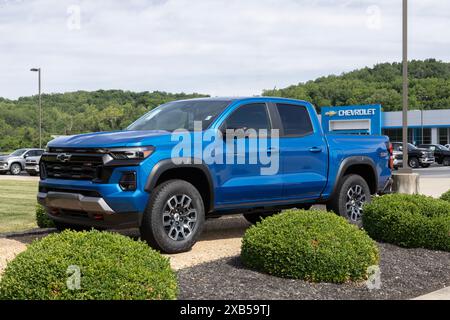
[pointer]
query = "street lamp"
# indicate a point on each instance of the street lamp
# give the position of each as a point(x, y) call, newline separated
point(405, 168)
point(38, 70)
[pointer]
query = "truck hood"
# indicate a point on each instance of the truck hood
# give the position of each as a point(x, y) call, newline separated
point(109, 139)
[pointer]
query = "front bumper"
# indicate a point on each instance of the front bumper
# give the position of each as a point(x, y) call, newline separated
point(32, 168)
point(398, 162)
point(427, 160)
point(78, 209)
point(4, 167)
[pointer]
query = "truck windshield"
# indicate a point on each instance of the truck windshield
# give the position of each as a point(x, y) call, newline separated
point(180, 115)
point(18, 153)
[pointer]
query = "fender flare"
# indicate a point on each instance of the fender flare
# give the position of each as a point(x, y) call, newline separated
point(354, 160)
point(164, 165)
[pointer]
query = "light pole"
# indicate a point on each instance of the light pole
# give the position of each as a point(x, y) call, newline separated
point(38, 70)
point(406, 168)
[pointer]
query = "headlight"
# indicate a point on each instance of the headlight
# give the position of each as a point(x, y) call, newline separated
point(138, 153)
point(423, 153)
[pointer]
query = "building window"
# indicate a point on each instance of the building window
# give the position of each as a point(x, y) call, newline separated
point(419, 139)
point(396, 135)
point(444, 136)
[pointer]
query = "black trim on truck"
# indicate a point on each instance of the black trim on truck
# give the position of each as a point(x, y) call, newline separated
point(352, 161)
point(168, 164)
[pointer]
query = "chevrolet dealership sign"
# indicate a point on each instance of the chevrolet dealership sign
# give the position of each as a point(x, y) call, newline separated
point(364, 119)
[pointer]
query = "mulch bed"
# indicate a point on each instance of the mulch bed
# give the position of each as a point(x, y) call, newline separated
point(405, 274)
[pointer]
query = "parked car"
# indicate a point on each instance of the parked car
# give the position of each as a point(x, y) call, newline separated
point(32, 165)
point(132, 178)
point(417, 157)
point(15, 162)
point(398, 159)
point(441, 153)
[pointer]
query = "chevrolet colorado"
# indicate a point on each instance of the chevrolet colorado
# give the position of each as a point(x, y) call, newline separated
point(134, 178)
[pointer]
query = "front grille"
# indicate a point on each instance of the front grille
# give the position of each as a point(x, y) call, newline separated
point(77, 167)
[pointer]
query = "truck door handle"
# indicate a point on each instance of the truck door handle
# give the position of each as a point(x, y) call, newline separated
point(315, 149)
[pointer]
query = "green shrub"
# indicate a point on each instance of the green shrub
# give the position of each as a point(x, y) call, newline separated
point(446, 196)
point(42, 219)
point(112, 266)
point(412, 221)
point(316, 246)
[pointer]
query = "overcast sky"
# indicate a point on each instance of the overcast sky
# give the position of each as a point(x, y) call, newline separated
point(219, 47)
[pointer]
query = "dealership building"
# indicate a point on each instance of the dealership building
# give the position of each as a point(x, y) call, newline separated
point(427, 126)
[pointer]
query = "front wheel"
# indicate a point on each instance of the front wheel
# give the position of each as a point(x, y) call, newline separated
point(15, 169)
point(352, 193)
point(413, 163)
point(174, 217)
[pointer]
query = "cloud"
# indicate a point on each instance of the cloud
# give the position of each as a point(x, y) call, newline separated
point(221, 47)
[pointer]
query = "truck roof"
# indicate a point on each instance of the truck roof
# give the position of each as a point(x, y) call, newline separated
point(234, 99)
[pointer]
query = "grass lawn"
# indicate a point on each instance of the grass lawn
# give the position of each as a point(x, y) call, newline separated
point(17, 205)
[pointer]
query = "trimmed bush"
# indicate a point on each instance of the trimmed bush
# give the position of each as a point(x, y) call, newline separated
point(412, 221)
point(446, 196)
point(315, 246)
point(42, 219)
point(111, 266)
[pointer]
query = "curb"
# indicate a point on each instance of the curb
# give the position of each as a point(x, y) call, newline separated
point(32, 232)
point(443, 294)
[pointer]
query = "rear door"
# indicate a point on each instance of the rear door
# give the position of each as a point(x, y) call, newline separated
point(303, 152)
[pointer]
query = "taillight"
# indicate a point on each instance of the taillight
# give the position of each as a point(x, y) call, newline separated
point(390, 149)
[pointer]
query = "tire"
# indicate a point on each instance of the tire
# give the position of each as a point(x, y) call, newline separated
point(164, 228)
point(446, 162)
point(350, 208)
point(414, 163)
point(15, 169)
point(253, 218)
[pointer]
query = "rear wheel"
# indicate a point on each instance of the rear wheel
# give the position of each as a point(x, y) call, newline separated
point(174, 217)
point(352, 193)
point(15, 169)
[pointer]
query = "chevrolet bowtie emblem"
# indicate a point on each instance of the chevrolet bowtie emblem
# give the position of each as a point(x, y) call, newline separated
point(63, 157)
point(331, 113)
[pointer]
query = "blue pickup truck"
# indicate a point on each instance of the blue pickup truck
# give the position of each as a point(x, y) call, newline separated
point(141, 177)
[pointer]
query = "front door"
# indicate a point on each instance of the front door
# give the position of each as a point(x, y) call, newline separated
point(244, 181)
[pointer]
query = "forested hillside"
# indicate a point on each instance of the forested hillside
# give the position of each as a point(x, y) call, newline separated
point(77, 112)
point(74, 112)
point(429, 87)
